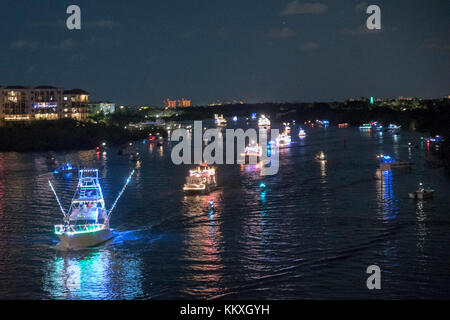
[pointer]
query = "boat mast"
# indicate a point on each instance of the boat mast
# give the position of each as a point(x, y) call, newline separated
point(59, 202)
point(120, 194)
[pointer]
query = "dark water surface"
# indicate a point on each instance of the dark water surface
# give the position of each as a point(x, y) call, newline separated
point(311, 233)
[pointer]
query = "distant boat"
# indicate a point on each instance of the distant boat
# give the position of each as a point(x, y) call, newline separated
point(388, 163)
point(50, 160)
point(421, 193)
point(202, 180)
point(220, 120)
point(301, 133)
point(66, 168)
point(436, 139)
point(343, 125)
point(263, 121)
point(320, 156)
point(394, 127)
point(283, 139)
point(365, 126)
point(252, 151)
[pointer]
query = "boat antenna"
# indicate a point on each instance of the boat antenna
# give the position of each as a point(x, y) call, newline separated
point(120, 193)
point(57, 199)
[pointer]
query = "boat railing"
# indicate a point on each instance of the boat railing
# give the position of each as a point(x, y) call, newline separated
point(78, 228)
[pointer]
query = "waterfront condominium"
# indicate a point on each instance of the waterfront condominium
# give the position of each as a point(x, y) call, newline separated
point(18, 103)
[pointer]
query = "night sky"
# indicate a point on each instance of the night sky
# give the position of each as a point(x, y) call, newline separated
point(141, 52)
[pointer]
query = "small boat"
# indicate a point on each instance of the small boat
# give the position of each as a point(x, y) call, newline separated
point(301, 133)
point(284, 138)
point(252, 151)
point(388, 163)
point(263, 121)
point(86, 223)
point(421, 193)
point(365, 126)
point(320, 156)
point(394, 127)
point(343, 125)
point(220, 120)
point(66, 168)
point(436, 139)
point(201, 180)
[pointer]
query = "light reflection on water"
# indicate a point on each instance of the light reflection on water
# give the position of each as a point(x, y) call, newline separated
point(95, 274)
point(310, 233)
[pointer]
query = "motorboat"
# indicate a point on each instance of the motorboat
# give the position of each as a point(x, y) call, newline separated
point(66, 168)
point(422, 193)
point(86, 223)
point(252, 151)
point(284, 138)
point(320, 156)
point(201, 180)
point(301, 133)
point(220, 120)
point(263, 121)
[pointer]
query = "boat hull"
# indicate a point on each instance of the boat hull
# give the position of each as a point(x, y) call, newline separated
point(421, 195)
point(193, 192)
point(248, 160)
point(84, 240)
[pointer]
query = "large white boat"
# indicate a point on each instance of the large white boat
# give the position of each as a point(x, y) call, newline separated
point(86, 223)
point(263, 121)
point(201, 180)
point(220, 120)
point(284, 138)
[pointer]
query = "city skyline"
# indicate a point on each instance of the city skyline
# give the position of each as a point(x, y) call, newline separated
point(265, 51)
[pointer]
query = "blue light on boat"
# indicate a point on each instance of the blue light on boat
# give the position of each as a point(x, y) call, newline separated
point(253, 116)
point(235, 118)
point(262, 185)
point(387, 159)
